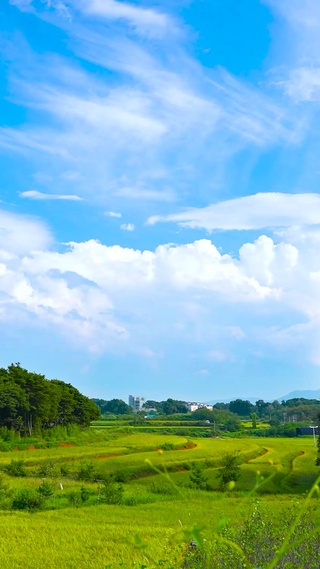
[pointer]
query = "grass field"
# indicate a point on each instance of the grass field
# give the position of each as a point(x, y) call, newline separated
point(150, 525)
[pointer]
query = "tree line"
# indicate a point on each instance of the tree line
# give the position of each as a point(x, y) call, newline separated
point(30, 403)
point(291, 411)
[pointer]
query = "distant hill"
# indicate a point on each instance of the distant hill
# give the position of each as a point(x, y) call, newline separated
point(251, 399)
point(306, 394)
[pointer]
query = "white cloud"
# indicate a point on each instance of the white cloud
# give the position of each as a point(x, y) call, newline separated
point(23, 5)
point(35, 195)
point(298, 14)
point(203, 372)
point(142, 18)
point(219, 356)
point(145, 194)
point(297, 69)
point(22, 234)
point(71, 176)
point(127, 227)
point(303, 84)
point(112, 214)
point(251, 212)
point(110, 298)
point(160, 113)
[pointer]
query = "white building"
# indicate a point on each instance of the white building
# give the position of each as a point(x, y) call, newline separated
point(136, 402)
point(194, 406)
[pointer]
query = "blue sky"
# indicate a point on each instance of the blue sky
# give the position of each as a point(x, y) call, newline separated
point(160, 206)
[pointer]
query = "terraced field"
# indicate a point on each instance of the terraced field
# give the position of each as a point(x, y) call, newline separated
point(158, 506)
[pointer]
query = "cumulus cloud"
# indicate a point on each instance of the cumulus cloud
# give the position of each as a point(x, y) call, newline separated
point(35, 195)
point(115, 298)
point(251, 212)
point(22, 234)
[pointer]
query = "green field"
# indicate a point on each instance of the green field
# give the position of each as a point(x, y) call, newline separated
point(149, 528)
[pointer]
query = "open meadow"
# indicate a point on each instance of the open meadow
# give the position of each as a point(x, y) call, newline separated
point(121, 498)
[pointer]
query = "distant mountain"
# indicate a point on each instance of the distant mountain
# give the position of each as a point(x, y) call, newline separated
point(307, 394)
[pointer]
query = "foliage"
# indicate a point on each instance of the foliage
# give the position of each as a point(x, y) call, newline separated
point(241, 408)
point(229, 470)
point(232, 426)
point(16, 468)
point(46, 489)
point(115, 406)
point(197, 477)
point(30, 403)
point(48, 469)
point(168, 407)
point(254, 420)
point(122, 475)
point(111, 492)
point(27, 499)
point(86, 471)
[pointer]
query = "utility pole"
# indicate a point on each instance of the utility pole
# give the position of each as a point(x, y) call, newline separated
point(314, 434)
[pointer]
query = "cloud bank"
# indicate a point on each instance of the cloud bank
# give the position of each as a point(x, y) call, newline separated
point(263, 210)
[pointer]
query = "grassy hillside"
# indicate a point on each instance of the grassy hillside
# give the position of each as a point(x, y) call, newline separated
point(159, 513)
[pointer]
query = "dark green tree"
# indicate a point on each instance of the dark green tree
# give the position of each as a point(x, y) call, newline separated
point(29, 402)
point(229, 470)
point(241, 407)
point(197, 476)
point(115, 406)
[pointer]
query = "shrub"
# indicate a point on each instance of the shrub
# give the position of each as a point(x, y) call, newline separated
point(46, 490)
point(111, 492)
point(16, 468)
point(74, 498)
point(48, 469)
point(168, 446)
point(27, 499)
point(229, 470)
point(121, 475)
point(162, 489)
point(86, 471)
point(64, 469)
point(84, 494)
point(5, 491)
point(197, 477)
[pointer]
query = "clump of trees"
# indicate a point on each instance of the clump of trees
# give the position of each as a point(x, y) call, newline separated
point(114, 406)
point(119, 407)
point(168, 407)
point(30, 403)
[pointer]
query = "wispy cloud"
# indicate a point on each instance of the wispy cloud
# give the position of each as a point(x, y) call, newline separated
point(251, 212)
point(23, 5)
point(146, 194)
point(144, 19)
point(127, 227)
point(112, 214)
point(162, 108)
point(35, 195)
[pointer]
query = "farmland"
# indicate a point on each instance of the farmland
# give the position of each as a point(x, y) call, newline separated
point(149, 525)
